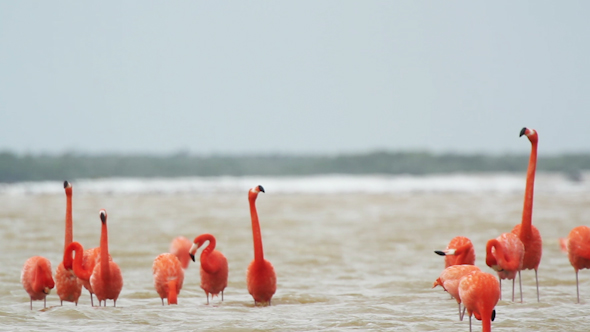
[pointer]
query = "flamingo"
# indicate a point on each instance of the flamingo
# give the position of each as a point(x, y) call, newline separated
point(106, 279)
point(180, 247)
point(449, 280)
point(529, 234)
point(577, 245)
point(505, 254)
point(261, 276)
point(214, 267)
point(36, 279)
point(480, 292)
point(168, 277)
point(459, 251)
point(67, 286)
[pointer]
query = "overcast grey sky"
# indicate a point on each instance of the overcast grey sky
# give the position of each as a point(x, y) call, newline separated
point(293, 77)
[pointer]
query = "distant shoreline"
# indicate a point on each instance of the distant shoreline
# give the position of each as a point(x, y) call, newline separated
point(17, 168)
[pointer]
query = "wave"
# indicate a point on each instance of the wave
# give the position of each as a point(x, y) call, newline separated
point(321, 184)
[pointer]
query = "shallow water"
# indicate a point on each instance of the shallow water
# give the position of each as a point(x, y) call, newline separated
point(343, 260)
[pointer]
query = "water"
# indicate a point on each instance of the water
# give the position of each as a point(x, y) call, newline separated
point(351, 253)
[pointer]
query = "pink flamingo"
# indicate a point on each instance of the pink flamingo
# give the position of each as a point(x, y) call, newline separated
point(449, 280)
point(480, 293)
point(68, 287)
point(214, 268)
point(577, 245)
point(106, 279)
point(168, 277)
point(529, 234)
point(261, 276)
point(459, 251)
point(36, 279)
point(180, 247)
point(505, 254)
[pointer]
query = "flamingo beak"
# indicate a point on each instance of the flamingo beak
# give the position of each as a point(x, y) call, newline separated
point(193, 251)
point(522, 132)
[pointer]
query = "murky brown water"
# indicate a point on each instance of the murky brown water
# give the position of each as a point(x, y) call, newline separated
point(343, 261)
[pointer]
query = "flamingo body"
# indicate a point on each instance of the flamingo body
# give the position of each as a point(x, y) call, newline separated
point(67, 286)
point(262, 281)
point(533, 247)
point(479, 294)
point(505, 254)
point(180, 247)
point(168, 277)
point(578, 250)
point(451, 276)
point(214, 268)
point(36, 278)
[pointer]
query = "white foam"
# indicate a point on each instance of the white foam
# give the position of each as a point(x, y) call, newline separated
point(322, 184)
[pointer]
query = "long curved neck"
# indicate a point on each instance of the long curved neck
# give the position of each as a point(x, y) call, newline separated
point(258, 253)
point(527, 211)
point(79, 270)
point(104, 252)
point(69, 224)
point(172, 294)
point(206, 264)
point(39, 280)
point(501, 258)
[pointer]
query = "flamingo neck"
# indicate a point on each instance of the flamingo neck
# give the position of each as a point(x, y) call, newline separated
point(527, 211)
point(79, 270)
point(486, 323)
point(206, 264)
point(69, 223)
point(104, 252)
point(258, 252)
point(490, 258)
point(462, 251)
point(39, 280)
point(172, 294)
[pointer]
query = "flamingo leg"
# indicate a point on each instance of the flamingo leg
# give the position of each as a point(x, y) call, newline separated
point(45, 302)
point(114, 303)
point(537, 281)
point(162, 300)
point(91, 302)
point(460, 314)
point(513, 280)
point(520, 286)
point(207, 298)
point(577, 286)
point(221, 296)
point(32, 302)
point(469, 323)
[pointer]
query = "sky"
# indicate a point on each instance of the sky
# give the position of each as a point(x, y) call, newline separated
point(293, 77)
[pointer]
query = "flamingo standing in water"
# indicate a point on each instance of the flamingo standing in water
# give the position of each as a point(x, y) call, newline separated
point(67, 285)
point(214, 269)
point(505, 254)
point(529, 234)
point(36, 279)
point(449, 280)
point(168, 277)
point(180, 247)
point(459, 251)
point(577, 245)
point(106, 279)
point(480, 292)
point(261, 276)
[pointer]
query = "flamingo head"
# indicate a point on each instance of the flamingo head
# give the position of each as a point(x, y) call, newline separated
point(253, 193)
point(531, 134)
point(103, 216)
point(68, 188)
